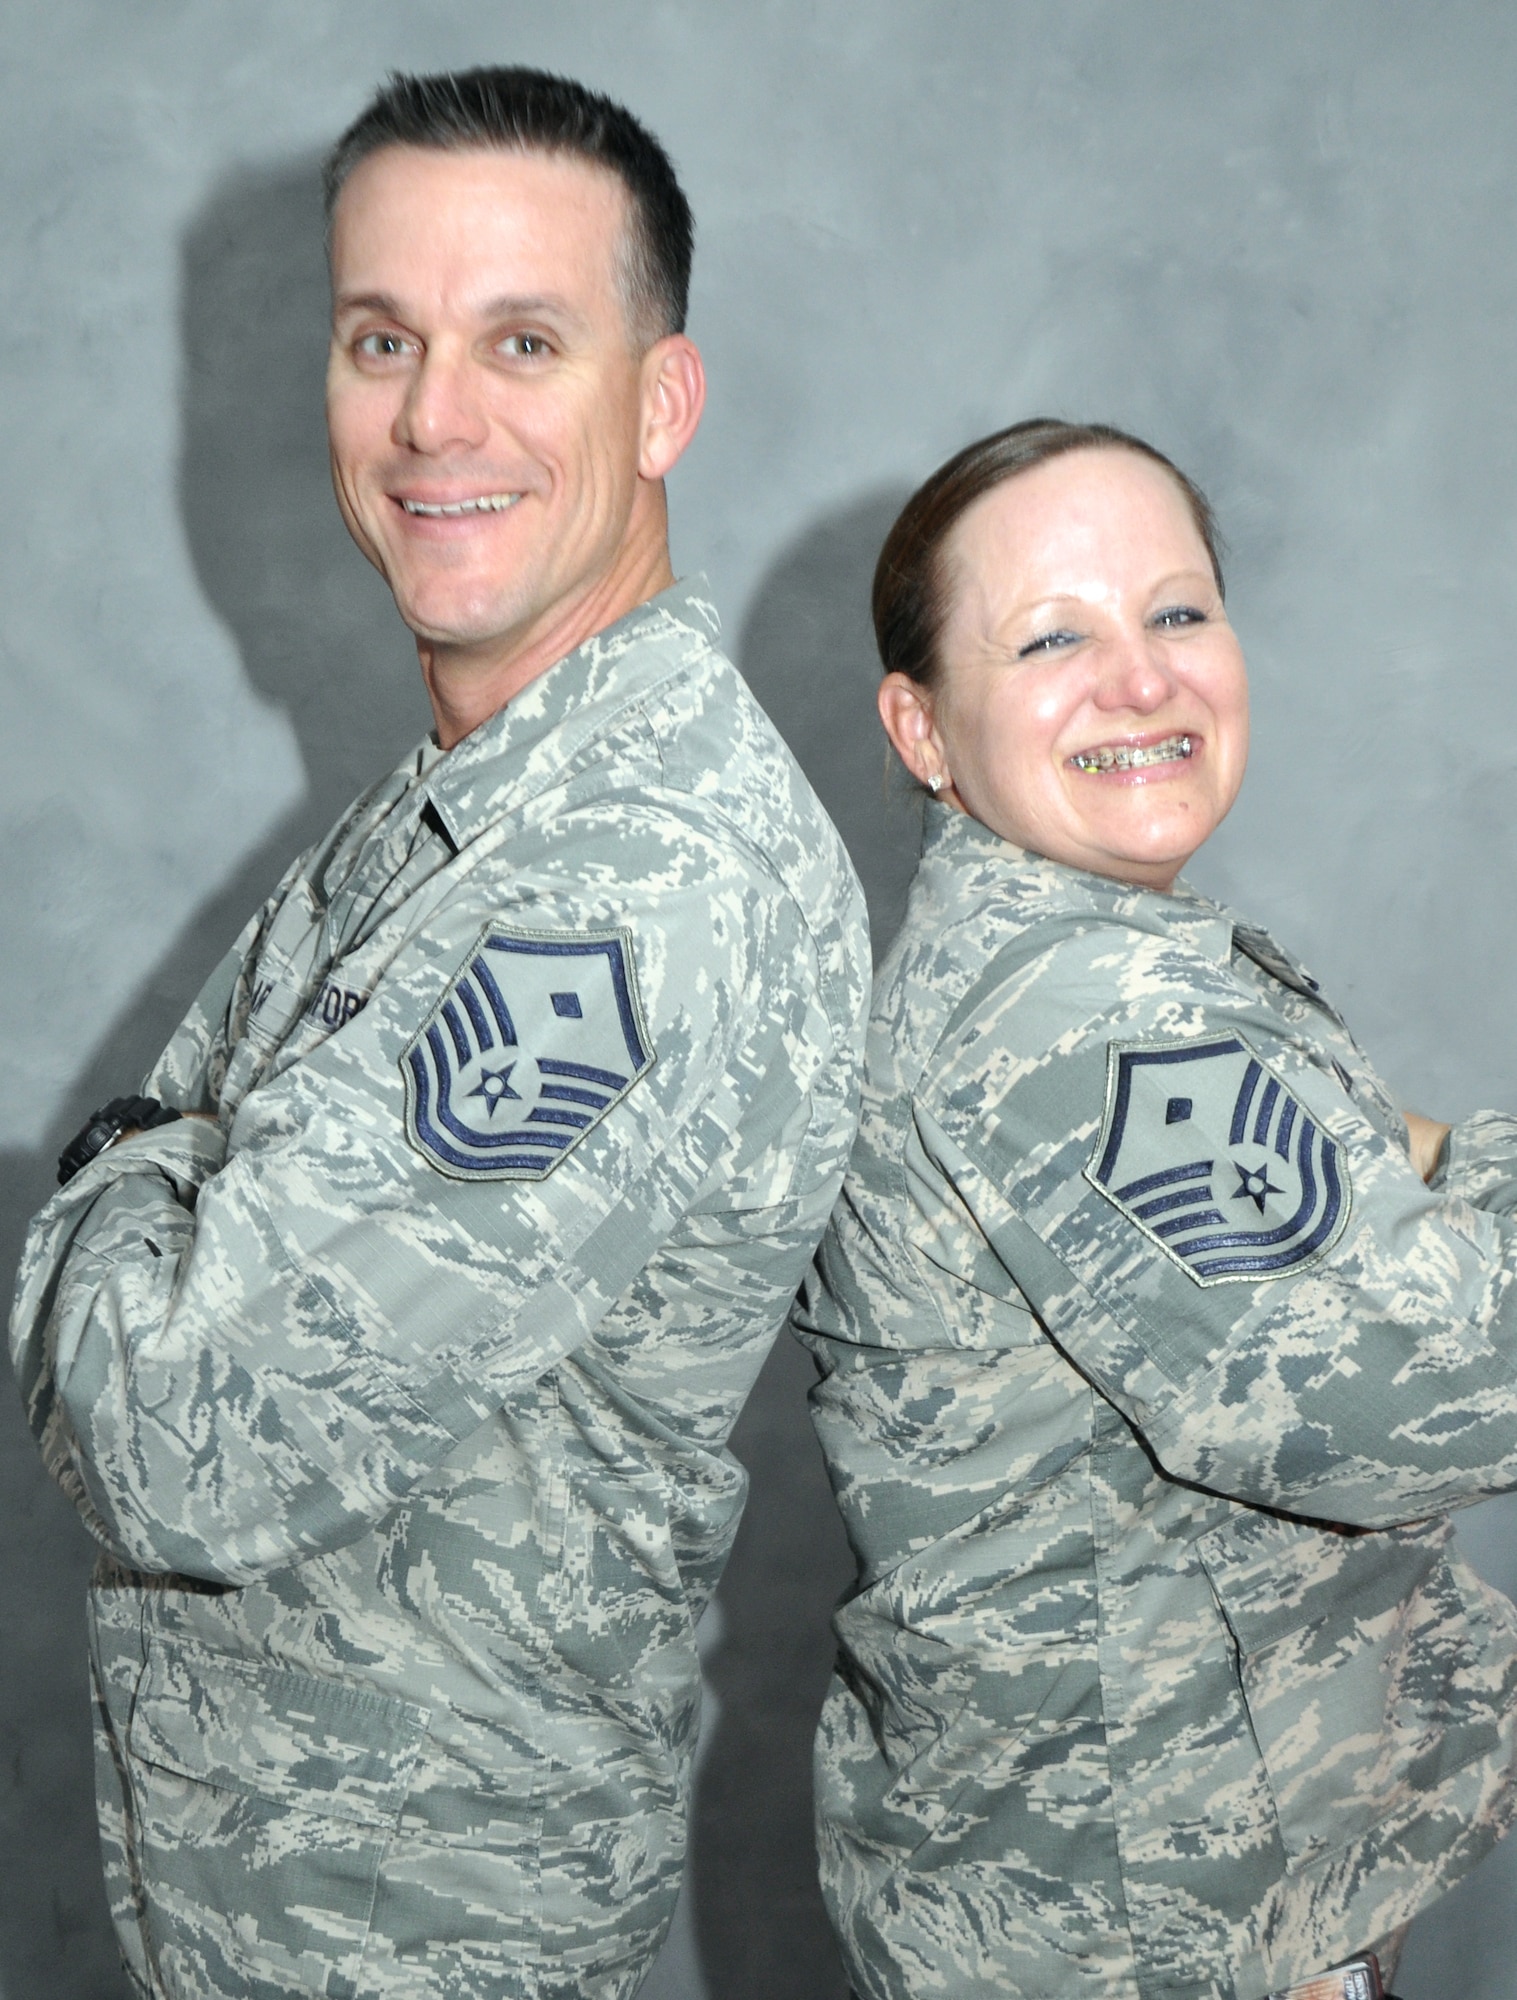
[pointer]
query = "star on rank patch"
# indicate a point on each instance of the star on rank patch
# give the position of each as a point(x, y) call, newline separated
point(1214, 1158)
point(537, 1037)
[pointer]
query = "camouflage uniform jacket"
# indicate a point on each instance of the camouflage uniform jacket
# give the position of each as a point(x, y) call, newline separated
point(1132, 1312)
point(399, 1394)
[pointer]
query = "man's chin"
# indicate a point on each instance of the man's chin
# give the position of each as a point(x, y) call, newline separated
point(459, 628)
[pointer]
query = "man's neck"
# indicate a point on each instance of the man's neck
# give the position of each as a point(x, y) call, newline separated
point(467, 685)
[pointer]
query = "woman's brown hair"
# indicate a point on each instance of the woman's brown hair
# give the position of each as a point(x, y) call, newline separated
point(908, 598)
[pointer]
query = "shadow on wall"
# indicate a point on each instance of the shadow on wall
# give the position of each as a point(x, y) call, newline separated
point(807, 650)
point(319, 639)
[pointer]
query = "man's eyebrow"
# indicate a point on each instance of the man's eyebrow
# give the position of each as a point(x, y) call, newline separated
point(510, 305)
point(375, 302)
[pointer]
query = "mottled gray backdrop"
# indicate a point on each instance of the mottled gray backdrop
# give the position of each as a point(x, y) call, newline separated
point(1276, 238)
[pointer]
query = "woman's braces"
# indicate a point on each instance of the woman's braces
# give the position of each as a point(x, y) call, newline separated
point(1123, 758)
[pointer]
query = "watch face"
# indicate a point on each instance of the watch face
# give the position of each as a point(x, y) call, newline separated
point(99, 1130)
point(102, 1129)
point(122, 1114)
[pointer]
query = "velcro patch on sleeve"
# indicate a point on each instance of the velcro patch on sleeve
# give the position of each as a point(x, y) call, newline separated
point(537, 1037)
point(1213, 1157)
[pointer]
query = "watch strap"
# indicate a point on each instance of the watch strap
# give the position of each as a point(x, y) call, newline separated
point(122, 1114)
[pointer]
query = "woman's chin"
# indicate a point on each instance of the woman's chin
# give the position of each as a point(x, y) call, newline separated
point(1155, 850)
point(1150, 860)
point(1146, 847)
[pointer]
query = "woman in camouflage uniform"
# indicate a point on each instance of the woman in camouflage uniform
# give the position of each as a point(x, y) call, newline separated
point(1156, 1342)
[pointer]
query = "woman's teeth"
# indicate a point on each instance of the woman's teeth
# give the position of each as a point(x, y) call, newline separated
point(1136, 757)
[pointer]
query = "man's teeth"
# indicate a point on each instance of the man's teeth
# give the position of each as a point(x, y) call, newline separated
point(1122, 757)
point(487, 503)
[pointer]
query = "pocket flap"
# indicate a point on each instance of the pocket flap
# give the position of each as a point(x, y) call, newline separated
point(1365, 1664)
point(1274, 1576)
point(346, 1752)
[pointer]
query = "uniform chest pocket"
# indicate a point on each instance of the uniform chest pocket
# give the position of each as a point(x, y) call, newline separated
point(264, 1801)
point(1363, 1660)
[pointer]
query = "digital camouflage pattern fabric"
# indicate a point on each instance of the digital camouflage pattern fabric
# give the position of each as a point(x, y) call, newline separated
point(399, 1393)
point(1150, 1368)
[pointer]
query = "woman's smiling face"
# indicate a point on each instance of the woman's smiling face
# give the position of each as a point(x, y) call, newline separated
point(1091, 702)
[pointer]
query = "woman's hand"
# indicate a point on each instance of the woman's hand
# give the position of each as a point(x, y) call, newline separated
point(1427, 1137)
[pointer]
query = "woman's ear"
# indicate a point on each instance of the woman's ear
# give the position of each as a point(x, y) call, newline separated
point(906, 711)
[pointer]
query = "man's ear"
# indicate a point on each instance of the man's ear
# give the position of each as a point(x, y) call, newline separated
point(674, 394)
point(906, 710)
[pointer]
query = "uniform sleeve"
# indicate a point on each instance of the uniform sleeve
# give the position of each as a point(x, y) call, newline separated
point(1479, 1163)
point(190, 1072)
point(1239, 1258)
point(239, 1356)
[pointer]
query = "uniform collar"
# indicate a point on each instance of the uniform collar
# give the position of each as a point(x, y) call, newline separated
point(525, 746)
point(1050, 888)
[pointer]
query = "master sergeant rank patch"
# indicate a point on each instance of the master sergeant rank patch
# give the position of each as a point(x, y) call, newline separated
point(1207, 1152)
point(535, 1040)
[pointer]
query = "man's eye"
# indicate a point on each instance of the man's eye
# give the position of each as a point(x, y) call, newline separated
point(1048, 642)
point(382, 346)
point(524, 346)
point(1175, 615)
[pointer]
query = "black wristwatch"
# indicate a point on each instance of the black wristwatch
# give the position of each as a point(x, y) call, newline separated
point(122, 1114)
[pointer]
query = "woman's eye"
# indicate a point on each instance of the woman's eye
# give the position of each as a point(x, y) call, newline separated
point(1048, 642)
point(1176, 615)
point(383, 346)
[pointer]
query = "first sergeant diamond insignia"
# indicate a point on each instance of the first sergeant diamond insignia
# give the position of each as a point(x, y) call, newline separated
point(536, 1038)
point(1214, 1158)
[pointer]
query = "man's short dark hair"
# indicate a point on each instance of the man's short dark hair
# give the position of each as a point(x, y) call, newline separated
point(530, 111)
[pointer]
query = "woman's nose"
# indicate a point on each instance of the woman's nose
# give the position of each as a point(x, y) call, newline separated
point(1134, 673)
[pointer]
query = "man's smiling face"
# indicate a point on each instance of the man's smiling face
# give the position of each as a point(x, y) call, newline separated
point(484, 392)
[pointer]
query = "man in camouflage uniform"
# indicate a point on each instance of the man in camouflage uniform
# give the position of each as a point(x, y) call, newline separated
point(1151, 1366)
point(395, 1375)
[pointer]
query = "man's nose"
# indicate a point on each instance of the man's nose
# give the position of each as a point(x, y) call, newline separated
point(444, 410)
point(1134, 673)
